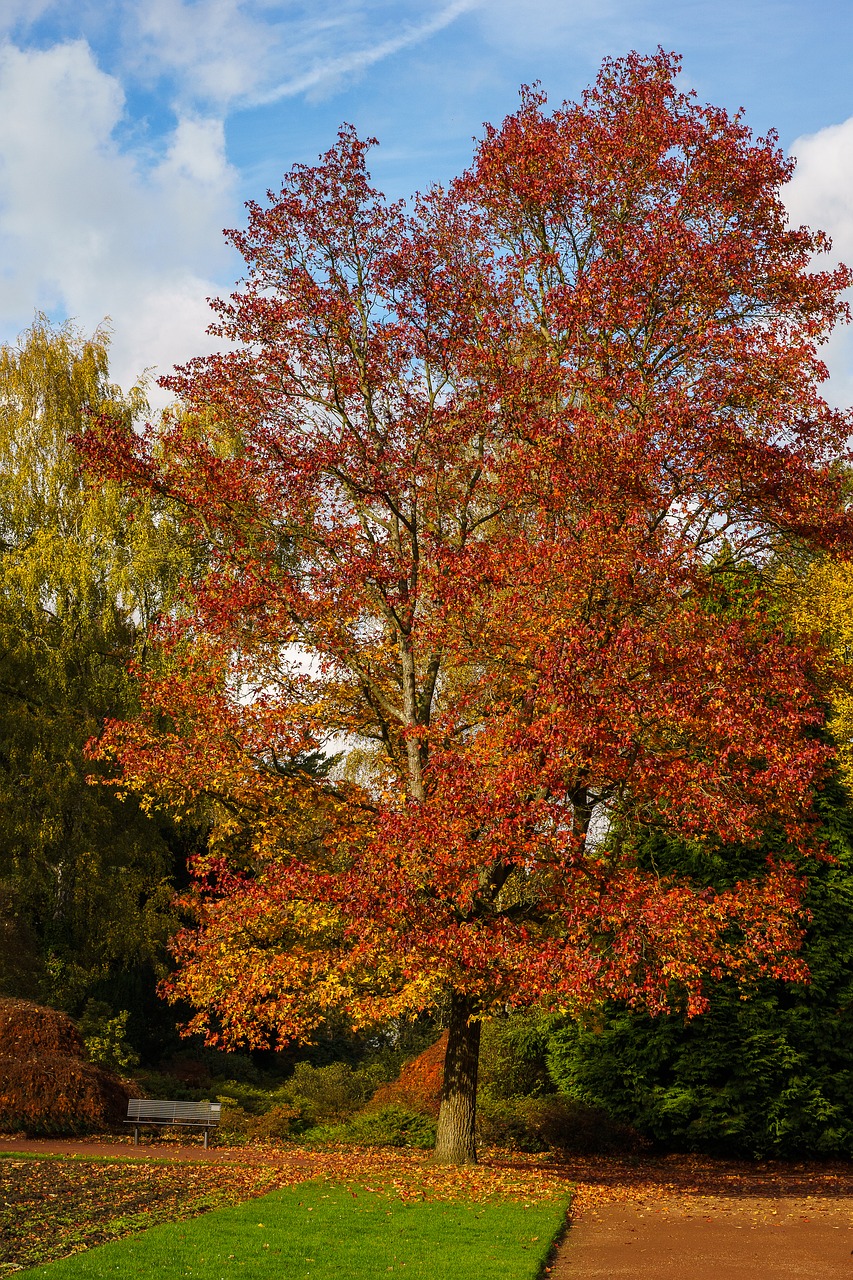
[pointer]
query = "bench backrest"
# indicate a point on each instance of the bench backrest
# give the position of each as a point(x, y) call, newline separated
point(174, 1112)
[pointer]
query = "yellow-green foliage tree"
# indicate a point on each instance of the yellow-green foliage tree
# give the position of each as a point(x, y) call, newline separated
point(84, 879)
point(820, 601)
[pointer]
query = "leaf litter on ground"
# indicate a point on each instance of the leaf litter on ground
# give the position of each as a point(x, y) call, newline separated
point(52, 1207)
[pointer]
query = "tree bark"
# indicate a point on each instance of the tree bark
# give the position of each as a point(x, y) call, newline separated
point(455, 1141)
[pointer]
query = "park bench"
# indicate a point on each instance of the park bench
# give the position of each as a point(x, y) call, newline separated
point(152, 1111)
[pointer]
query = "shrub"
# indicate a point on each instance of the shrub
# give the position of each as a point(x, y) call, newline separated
point(28, 1029)
point(278, 1123)
point(550, 1123)
point(506, 1122)
point(235, 1122)
point(105, 1037)
point(332, 1092)
point(418, 1086)
point(55, 1094)
point(391, 1126)
point(45, 1084)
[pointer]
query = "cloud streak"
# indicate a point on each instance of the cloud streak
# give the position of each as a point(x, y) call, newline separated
point(332, 70)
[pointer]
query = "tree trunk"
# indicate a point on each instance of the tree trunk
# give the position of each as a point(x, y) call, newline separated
point(455, 1141)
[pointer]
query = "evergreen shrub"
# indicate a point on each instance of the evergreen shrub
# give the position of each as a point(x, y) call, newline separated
point(332, 1092)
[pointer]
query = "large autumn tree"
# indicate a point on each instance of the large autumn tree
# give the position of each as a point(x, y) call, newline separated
point(466, 469)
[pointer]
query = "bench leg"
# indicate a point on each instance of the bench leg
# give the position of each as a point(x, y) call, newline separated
point(135, 1136)
point(205, 1139)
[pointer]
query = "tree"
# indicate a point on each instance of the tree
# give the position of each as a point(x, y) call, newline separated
point(769, 1076)
point(465, 471)
point(85, 881)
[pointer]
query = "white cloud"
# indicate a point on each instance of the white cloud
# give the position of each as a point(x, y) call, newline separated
point(89, 230)
point(15, 12)
point(821, 196)
point(217, 49)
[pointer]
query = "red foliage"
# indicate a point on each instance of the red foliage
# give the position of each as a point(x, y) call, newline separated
point(472, 480)
point(27, 1029)
point(46, 1086)
point(418, 1086)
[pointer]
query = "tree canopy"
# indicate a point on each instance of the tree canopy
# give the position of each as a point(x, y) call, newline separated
point(85, 882)
point(465, 472)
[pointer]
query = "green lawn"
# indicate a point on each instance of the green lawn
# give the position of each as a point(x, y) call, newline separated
point(321, 1231)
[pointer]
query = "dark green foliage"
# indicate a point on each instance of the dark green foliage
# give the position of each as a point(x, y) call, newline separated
point(513, 1076)
point(552, 1122)
point(513, 1054)
point(517, 1102)
point(767, 1075)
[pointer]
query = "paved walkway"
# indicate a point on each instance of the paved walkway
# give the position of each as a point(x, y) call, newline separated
point(711, 1238)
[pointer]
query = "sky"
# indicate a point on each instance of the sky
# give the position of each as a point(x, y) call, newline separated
point(133, 131)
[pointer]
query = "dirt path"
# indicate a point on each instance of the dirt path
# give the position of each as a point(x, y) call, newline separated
point(745, 1239)
point(704, 1220)
point(190, 1151)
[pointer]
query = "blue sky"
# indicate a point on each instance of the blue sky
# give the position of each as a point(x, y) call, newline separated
point(131, 132)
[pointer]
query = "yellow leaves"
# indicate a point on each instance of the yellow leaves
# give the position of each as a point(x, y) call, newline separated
point(74, 553)
point(821, 603)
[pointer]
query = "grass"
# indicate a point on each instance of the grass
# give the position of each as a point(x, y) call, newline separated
point(323, 1231)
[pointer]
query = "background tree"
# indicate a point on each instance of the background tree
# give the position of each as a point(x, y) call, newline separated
point(767, 1076)
point(85, 880)
point(462, 473)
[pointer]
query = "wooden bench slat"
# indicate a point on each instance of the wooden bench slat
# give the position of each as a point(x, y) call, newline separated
point(161, 1112)
point(157, 1109)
